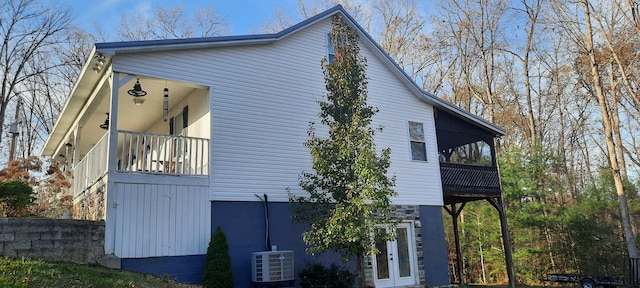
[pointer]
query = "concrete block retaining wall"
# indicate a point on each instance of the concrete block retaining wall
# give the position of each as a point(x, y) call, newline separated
point(78, 241)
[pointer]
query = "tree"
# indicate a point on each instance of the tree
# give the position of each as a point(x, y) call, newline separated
point(217, 266)
point(349, 192)
point(584, 36)
point(172, 23)
point(28, 29)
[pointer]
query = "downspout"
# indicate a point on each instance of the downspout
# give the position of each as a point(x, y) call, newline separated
point(265, 203)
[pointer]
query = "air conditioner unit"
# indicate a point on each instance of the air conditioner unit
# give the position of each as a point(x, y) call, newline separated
point(272, 266)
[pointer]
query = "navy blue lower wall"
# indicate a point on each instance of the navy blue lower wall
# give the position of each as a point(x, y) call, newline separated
point(434, 246)
point(187, 269)
point(244, 225)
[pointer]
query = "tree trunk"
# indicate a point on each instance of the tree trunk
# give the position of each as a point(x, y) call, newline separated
point(608, 133)
point(360, 267)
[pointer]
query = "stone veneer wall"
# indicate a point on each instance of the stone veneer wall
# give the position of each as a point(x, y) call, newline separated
point(92, 206)
point(405, 213)
point(52, 239)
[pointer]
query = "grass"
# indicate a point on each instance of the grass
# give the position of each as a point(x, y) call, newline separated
point(38, 273)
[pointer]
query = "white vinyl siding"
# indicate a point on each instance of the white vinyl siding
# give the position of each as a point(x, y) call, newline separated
point(262, 99)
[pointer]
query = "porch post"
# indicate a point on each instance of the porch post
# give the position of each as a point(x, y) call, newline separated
point(76, 145)
point(454, 212)
point(113, 124)
point(111, 204)
point(498, 203)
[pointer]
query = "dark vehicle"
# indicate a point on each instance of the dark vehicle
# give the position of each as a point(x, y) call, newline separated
point(586, 281)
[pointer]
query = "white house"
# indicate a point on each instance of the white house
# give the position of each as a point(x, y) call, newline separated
point(165, 171)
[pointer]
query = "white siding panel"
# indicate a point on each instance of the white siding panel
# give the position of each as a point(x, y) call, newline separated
point(263, 98)
point(155, 220)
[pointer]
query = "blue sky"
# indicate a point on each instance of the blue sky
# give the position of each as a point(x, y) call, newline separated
point(241, 15)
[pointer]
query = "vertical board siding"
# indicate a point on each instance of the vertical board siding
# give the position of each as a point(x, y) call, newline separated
point(154, 220)
point(262, 100)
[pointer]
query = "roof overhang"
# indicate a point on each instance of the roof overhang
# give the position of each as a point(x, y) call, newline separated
point(81, 92)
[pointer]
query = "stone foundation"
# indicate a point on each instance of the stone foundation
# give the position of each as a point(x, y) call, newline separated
point(92, 206)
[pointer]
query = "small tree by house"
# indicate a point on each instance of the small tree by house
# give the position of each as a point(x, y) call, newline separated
point(349, 192)
point(217, 266)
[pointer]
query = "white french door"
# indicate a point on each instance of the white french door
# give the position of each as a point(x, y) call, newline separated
point(395, 264)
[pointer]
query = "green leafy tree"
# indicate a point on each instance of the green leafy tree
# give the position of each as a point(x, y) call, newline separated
point(217, 266)
point(349, 192)
point(15, 196)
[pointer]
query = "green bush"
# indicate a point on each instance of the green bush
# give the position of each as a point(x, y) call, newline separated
point(318, 276)
point(15, 196)
point(217, 266)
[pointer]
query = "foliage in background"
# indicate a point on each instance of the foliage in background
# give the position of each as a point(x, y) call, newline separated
point(22, 169)
point(349, 192)
point(316, 275)
point(217, 266)
point(49, 191)
point(53, 199)
point(551, 231)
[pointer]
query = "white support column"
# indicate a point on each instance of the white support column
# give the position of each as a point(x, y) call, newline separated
point(76, 144)
point(110, 193)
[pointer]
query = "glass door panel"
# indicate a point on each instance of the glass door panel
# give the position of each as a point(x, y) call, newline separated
point(404, 256)
point(382, 260)
point(394, 264)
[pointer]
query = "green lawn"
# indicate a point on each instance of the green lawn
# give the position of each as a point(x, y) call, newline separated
point(39, 273)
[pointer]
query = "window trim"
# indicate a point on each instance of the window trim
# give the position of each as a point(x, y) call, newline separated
point(331, 53)
point(412, 141)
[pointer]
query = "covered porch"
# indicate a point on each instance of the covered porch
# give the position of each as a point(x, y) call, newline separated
point(116, 124)
point(469, 172)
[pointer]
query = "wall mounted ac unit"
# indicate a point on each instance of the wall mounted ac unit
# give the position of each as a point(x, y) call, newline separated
point(272, 266)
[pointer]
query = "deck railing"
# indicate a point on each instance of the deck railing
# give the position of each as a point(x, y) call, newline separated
point(469, 178)
point(92, 167)
point(142, 152)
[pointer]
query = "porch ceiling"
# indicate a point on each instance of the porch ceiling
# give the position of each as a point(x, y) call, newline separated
point(130, 116)
point(89, 112)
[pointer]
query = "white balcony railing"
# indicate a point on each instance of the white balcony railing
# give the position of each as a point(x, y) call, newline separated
point(92, 167)
point(141, 152)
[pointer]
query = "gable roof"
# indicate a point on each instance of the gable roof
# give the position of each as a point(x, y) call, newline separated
point(191, 43)
point(106, 51)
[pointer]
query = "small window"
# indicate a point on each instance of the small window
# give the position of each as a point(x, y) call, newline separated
point(418, 146)
point(178, 124)
point(331, 54)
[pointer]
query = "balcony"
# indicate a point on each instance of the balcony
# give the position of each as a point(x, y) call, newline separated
point(468, 181)
point(143, 153)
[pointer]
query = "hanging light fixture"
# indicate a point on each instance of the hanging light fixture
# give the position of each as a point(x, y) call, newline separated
point(105, 125)
point(137, 93)
point(165, 104)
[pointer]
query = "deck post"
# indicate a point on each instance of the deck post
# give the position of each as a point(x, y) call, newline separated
point(498, 203)
point(455, 212)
